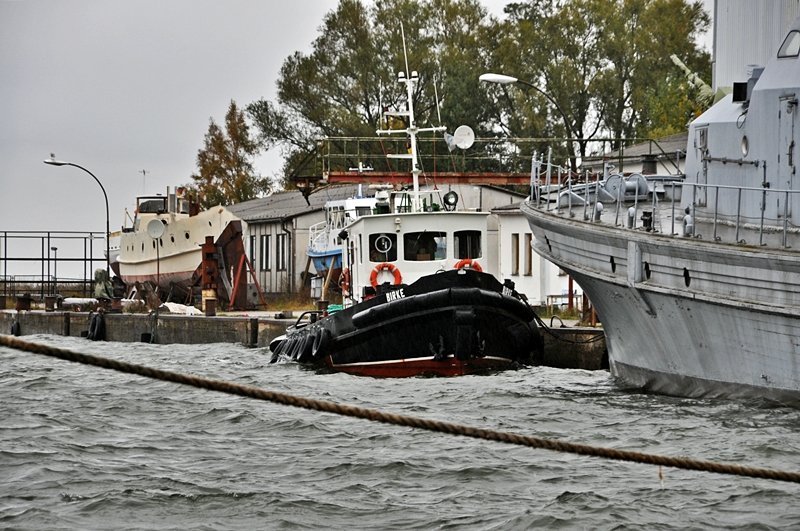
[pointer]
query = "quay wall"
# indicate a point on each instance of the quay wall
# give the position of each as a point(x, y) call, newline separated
point(168, 328)
point(566, 348)
point(575, 348)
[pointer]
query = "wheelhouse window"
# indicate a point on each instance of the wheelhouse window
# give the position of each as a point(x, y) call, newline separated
point(791, 45)
point(152, 205)
point(424, 246)
point(467, 244)
point(383, 247)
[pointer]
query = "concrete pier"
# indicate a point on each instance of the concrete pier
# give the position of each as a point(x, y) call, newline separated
point(168, 328)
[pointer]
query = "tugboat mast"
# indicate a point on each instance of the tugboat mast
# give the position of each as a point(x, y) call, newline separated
point(411, 129)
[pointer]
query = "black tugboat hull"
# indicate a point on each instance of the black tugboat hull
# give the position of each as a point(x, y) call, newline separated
point(447, 324)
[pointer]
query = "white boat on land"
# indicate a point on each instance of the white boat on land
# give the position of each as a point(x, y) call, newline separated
point(171, 259)
point(700, 298)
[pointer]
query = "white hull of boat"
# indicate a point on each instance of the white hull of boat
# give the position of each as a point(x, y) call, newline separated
point(671, 321)
point(179, 253)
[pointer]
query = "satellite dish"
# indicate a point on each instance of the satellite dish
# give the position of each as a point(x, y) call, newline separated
point(463, 137)
point(155, 229)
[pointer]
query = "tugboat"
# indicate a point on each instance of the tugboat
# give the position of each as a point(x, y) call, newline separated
point(419, 296)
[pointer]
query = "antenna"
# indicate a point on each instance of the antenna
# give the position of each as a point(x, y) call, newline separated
point(144, 176)
point(438, 110)
point(405, 53)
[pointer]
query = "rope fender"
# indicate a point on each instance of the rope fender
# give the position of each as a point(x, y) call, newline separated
point(396, 419)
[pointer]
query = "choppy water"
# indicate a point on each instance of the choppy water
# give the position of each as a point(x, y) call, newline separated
point(86, 448)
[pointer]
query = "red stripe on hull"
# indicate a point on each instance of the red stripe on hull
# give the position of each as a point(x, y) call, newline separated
point(410, 367)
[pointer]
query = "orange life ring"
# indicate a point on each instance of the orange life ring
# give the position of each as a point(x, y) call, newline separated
point(344, 281)
point(385, 266)
point(468, 262)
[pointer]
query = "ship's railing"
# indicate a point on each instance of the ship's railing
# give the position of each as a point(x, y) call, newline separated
point(585, 191)
point(487, 155)
point(318, 236)
point(740, 222)
point(585, 195)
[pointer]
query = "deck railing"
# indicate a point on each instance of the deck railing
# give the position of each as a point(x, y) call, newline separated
point(487, 155)
point(551, 180)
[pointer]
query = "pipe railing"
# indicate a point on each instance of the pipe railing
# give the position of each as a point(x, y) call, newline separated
point(590, 186)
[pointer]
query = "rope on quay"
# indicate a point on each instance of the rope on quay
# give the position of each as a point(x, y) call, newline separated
point(399, 420)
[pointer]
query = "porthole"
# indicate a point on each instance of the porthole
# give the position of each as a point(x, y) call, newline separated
point(647, 270)
point(209, 224)
point(687, 279)
point(154, 244)
point(172, 239)
point(745, 145)
point(142, 246)
point(186, 234)
point(613, 265)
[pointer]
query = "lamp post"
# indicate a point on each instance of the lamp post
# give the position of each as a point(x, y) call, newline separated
point(55, 269)
point(502, 79)
point(53, 162)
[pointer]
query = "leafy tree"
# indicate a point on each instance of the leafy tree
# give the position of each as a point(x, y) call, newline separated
point(225, 163)
point(596, 68)
point(605, 65)
point(341, 88)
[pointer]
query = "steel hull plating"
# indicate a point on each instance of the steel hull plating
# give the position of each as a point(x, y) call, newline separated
point(446, 324)
point(683, 316)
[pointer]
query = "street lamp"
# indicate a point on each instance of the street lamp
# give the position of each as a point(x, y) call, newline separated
point(502, 79)
point(53, 162)
point(55, 269)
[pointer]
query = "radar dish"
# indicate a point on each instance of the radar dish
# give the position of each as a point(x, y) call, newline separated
point(463, 137)
point(155, 228)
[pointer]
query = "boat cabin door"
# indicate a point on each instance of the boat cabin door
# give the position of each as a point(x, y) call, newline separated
point(787, 156)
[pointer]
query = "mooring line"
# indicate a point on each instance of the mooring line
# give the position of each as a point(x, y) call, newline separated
point(396, 419)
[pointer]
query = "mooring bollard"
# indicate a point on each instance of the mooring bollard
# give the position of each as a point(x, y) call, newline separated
point(24, 302)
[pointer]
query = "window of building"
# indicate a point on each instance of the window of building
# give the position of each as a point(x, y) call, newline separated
point(425, 245)
point(264, 256)
point(467, 244)
point(252, 253)
point(515, 254)
point(280, 252)
point(528, 254)
point(383, 247)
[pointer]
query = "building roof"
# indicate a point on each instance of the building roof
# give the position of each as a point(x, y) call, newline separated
point(288, 204)
point(670, 144)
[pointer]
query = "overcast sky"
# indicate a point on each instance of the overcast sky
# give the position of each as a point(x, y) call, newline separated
point(121, 86)
point(124, 86)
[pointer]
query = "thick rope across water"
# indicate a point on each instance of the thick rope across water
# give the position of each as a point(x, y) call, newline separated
point(398, 420)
